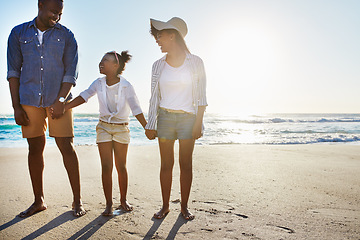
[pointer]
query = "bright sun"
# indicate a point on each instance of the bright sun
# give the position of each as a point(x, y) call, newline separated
point(250, 62)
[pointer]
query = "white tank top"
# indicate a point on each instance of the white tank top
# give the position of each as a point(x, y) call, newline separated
point(112, 99)
point(40, 36)
point(176, 88)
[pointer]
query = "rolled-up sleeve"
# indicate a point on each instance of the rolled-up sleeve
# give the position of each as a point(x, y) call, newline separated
point(155, 97)
point(133, 100)
point(91, 91)
point(202, 84)
point(71, 59)
point(14, 56)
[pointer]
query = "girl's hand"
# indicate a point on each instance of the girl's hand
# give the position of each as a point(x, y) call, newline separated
point(66, 106)
point(57, 110)
point(150, 134)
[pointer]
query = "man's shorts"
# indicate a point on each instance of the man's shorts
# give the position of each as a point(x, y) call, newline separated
point(61, 127)
point(172, 126)
point(107, 132)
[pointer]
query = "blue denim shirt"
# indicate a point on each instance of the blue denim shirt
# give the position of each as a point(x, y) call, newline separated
point(41, 68)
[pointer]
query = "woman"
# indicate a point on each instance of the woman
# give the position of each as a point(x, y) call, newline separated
point(177, 106)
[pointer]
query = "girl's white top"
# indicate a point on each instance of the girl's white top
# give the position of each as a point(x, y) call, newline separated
point(114, 107)
point(176, 88)
point(112, 97)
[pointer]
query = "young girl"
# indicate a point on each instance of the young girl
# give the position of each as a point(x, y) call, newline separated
point(177, 105)
point(116, 97)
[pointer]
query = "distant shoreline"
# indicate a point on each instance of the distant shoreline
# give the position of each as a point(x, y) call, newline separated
point(272, 129)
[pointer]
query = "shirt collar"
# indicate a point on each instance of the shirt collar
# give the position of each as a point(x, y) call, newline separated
point(188, 55)
point(123, 82)
point(33, 24)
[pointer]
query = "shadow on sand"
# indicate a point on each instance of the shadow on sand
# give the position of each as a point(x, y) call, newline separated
point(10, 223)
point(84, 233)
point(63, 218)
point(177, 225)
point(91, 228)
point(157, 222)
point(154, 228)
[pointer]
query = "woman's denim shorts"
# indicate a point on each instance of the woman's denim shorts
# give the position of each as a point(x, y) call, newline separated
point(174, 126)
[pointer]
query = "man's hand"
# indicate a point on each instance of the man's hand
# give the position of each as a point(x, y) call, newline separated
point(57, 110)
point(21, 117)
point(150, 134)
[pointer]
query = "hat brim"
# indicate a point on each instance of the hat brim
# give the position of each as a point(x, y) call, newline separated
point(159, 25)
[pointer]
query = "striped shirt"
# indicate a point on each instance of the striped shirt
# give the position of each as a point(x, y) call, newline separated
point(198, 87)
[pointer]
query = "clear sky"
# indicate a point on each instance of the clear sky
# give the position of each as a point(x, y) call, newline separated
point(261, 56)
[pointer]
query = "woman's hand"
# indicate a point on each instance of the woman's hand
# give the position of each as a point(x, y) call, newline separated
point(196, 132)
point(150, 134)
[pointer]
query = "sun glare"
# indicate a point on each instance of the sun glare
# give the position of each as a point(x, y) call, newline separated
point(251, 51)
point(250, 64)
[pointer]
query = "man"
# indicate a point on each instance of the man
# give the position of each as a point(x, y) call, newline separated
point(42, 68)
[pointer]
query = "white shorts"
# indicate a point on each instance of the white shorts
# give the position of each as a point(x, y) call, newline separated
point(107, 132)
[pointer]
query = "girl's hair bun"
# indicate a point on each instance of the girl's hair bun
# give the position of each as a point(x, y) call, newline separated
point(125, 56)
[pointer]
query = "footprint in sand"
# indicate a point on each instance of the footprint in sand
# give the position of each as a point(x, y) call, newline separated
point(241, 215)
point(288, 230)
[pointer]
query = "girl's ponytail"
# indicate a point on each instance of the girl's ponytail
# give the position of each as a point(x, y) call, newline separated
point(122, 58)
point(125, 56)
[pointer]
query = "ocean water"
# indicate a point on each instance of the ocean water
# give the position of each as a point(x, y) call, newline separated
point(220, 129)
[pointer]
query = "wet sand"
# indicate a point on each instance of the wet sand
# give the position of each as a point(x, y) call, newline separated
point(239, 192)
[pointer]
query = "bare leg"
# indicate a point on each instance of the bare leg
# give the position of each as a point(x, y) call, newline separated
point(185, 160)
point(120, 151)
point(71, 163)
point(106, 156)
point(36, 169)
point(167, 164)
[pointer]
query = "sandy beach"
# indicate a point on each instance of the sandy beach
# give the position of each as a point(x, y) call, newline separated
point(239, 192)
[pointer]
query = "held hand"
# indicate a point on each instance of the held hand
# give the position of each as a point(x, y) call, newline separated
point(66, 106)
point(150, 134)
point(57, 110)
point(21, 117)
